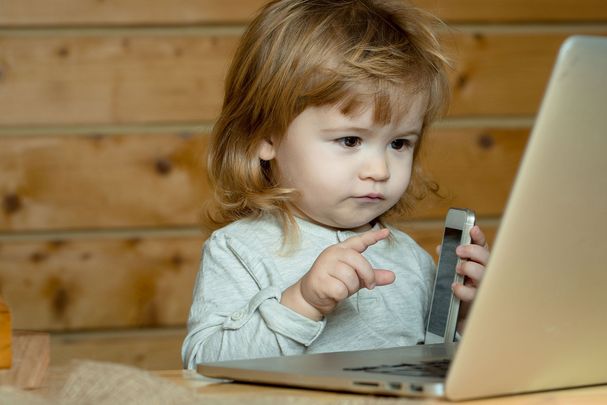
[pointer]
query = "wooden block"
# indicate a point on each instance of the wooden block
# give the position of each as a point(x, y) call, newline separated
point(31, 356)
point(5, 336)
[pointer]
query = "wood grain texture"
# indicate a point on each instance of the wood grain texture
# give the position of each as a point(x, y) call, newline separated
point(99, 283)
point(182, 12)
point(126, 12)
point(152, 180)
point(474, 168)
point(101, 181)
point(501, 73)
point(111, 78)
point(516, 10)
point(160, 77)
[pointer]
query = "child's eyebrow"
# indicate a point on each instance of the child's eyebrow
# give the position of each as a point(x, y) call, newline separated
point(346, 129)
point(413, 132)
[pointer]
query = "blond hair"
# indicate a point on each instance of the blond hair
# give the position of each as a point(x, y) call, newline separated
point(301, 53)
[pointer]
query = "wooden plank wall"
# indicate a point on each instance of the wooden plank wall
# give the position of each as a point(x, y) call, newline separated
point(105, 109)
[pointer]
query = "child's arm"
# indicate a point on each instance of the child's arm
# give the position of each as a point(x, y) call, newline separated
point(338, 272)
point(476, 256)
point(235, 311)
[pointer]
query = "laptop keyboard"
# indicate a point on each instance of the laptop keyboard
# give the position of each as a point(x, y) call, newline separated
point(424, 369)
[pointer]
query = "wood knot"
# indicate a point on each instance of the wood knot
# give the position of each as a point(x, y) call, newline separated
point(37, 257)
point(59, 296)
point(462, 80)
point(56, 244)
point(132, 242)
point(60, 301)
point(12, 203)
point(486, 141)
point(164, 166)
point(177, 260)
point(479, 37)
point(63, 52)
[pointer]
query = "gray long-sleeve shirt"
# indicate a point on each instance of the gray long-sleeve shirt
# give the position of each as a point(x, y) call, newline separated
point(236, 311)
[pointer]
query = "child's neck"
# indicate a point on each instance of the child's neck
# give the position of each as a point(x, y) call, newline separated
point(358, 229)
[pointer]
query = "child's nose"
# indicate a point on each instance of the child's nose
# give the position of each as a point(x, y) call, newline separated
point(375, 168)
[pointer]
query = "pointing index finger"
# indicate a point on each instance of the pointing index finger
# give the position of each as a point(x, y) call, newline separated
point(360, 243)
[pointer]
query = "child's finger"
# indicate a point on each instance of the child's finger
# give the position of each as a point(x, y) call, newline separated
point(463, 292)
point(478, 237)
point(337, 290)
point(472, 270)
point(384, 277)
point(359, 267)
point(360, 243)
point(344, 274)
point(475, 253)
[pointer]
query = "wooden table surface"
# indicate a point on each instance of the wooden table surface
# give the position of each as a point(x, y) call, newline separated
point(233, 391)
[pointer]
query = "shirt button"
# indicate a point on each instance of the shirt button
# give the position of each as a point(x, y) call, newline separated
point(237, 315)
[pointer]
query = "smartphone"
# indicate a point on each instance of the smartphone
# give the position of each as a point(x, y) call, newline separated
point(444, 307)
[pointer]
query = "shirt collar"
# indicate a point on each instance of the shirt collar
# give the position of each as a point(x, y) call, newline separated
point(326, 233)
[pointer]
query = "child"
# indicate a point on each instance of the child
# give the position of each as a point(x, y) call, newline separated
point(326, 106)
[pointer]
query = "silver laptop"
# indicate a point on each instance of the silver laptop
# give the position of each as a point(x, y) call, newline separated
point(538, 322)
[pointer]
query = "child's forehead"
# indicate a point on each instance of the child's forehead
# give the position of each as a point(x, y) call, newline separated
point(335, 117)
point(384, 107)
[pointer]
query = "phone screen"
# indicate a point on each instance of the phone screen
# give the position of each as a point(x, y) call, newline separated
point(445, 276)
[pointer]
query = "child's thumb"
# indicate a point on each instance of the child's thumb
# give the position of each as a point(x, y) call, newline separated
point(384, 277)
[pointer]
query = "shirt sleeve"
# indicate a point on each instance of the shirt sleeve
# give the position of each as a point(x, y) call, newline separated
point(236, 311)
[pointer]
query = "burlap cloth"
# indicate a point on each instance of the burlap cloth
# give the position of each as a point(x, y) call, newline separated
point(92, 382)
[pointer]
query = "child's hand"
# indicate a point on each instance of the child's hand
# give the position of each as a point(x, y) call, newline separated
point(475, 257)
point(338, 272)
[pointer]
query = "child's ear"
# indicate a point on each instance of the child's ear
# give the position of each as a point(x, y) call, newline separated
point(266, 150)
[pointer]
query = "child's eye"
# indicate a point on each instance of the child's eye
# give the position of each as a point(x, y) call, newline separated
point(350, 141)
point(400, 144)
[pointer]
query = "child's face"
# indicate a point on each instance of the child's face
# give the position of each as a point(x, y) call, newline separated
point(347, 169)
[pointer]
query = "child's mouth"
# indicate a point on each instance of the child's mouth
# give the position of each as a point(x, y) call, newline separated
point(371, 197)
